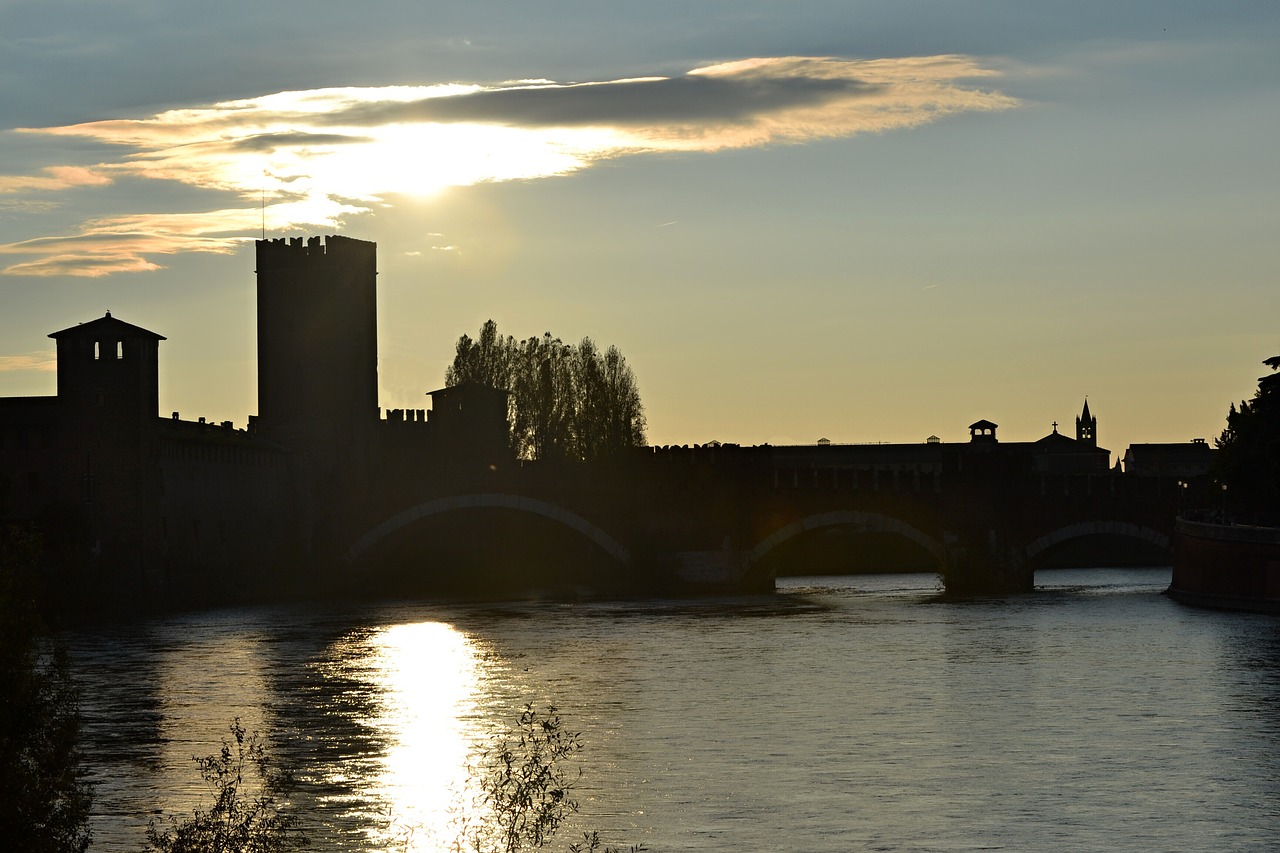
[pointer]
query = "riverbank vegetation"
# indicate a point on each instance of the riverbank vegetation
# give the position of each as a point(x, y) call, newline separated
point(1248, 459)
point(45, 805)
point(526, 779)
point(249, 813)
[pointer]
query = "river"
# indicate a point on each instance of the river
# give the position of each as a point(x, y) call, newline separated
point(840, 714)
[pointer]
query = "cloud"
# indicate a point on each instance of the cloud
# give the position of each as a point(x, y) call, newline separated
point(44, 361)
point(54, 178)
point(272, 141)
point(315, 157)
point(129, 243)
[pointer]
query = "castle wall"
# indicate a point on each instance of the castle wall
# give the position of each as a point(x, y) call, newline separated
point(31, 471)
point(225, 525)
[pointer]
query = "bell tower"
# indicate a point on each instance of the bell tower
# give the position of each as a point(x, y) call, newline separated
point(108, 391)
point(110, 366)
point(1087, 427)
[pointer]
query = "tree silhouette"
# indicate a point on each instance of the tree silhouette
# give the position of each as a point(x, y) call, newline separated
point(1248, 459)
point(248, 813)
point(566, 402)
point(45, 806)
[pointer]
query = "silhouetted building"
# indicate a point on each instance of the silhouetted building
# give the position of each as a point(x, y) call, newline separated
point(318, 343)
point(982, 431)
point(915, 467)
point(472, 418)
point(140, 502)
point(1180, 460)
point(318, 371)
point(108, 401)
point(1086, 427)
point(1060, 454)
point(318, 383)
point(183, 507)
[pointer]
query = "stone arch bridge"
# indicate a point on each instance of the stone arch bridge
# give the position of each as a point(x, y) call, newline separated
point(716, 518)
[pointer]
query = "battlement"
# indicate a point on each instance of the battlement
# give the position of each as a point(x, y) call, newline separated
point(407, 416)
point(306, 251)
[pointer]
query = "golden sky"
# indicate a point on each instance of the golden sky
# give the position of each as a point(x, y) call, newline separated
point(858, 221)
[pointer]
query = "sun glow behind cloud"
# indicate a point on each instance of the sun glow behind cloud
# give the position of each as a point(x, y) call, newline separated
point(311, 159)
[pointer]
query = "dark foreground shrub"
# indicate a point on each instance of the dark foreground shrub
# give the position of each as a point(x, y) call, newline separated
point(247, 815)
point(45, 804)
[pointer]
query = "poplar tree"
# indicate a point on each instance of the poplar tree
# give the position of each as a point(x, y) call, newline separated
point(566, 402)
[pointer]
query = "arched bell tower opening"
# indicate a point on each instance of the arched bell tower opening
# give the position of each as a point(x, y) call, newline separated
point(982, 432)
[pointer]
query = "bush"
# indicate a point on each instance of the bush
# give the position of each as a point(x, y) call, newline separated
point(525, 795)
point(45, 805)
point(245, 817)
point(527, 789)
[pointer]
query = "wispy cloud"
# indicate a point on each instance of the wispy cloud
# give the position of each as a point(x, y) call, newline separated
point(53, 178)
point(312, 158)
point(44, 361)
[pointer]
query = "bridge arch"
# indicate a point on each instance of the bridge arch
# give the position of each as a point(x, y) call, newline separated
point(519, 503)
point(1097, 528)
point(862, 522)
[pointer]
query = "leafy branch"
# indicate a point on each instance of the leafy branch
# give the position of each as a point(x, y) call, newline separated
point(247, 815)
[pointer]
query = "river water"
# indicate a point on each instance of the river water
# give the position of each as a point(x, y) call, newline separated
point(841, 714)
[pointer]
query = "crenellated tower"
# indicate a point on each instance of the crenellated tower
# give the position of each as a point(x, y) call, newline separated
point(317, 335)
point(318, 365)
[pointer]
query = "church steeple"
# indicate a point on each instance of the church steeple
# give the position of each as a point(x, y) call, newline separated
point(1087, 427)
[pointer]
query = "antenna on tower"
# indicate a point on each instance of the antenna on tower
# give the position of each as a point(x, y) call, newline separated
point(264, 205)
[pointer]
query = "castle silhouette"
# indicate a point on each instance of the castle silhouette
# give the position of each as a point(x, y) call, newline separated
point(150, 505)
point(187, 510)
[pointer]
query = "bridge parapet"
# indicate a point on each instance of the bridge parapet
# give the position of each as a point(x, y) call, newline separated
point(711, 516)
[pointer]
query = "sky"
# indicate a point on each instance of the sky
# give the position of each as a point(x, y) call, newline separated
point(860, 221)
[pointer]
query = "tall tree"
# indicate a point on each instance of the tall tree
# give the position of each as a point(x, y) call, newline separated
point(543, 399)
point(1248, 459)
point(611, 417)
point(487, 360)
point(565, 402)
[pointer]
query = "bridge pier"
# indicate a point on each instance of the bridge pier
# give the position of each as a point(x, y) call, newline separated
point(987, 566)
point(727, 570)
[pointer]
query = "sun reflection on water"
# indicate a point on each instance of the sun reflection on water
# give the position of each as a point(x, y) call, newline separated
point(429, 675)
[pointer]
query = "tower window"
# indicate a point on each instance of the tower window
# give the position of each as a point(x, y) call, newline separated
point(112, 350)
